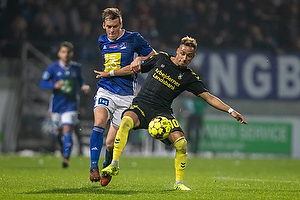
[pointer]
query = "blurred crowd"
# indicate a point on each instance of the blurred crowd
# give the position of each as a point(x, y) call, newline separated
point(266, 25)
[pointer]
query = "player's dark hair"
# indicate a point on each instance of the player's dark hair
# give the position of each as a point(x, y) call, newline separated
point(189, 41)
point(67, 44)
point(111, 14)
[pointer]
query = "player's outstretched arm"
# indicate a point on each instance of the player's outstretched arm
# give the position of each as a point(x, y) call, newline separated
point(220, 105)
point(118, 72)
point(136, 63)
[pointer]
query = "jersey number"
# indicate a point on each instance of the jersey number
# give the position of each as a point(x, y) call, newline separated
point(174, 123)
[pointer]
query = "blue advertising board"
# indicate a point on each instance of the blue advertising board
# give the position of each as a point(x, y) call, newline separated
point(250, 75)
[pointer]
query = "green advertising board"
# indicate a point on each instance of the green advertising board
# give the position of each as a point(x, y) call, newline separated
point(255, 137)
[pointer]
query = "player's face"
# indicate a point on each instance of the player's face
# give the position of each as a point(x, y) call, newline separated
point(65, 54)
point(185, 55)
point(113, 28)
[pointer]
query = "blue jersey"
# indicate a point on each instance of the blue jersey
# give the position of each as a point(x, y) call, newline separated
point(64, 99)
point(117, 54)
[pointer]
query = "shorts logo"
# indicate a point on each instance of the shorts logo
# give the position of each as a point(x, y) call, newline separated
point(103, 101)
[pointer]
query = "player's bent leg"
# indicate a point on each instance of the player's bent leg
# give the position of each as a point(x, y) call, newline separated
point(121, 137)
point(119, 145)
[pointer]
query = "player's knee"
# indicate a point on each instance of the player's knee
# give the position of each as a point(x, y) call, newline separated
point(100, 122)
point(181, 145)
point(126, 123)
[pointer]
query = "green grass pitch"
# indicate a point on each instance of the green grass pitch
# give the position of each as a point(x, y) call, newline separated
point(42, 177)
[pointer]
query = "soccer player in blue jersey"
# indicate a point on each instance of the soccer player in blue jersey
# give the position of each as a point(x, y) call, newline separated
point(114, 95)
point(66, 79)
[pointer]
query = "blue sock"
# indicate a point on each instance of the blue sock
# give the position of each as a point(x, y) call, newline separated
point(108, 157)
point(96, 142)
point(67, 144)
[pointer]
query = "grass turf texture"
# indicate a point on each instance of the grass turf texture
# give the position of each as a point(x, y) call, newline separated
point(42, 177)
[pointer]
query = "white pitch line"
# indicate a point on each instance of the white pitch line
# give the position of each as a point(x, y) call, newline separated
point(258, 180)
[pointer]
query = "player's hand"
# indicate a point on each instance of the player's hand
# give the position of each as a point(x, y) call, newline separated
point(101, 74)
point(238, 117)
point(86, 89)
point(136, 65)
point(58, 84)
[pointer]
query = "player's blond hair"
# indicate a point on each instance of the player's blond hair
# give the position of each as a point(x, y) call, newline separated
point(111, 14)
point(189, 41)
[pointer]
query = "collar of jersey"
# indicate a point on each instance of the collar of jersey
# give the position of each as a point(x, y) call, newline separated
point(62, 66)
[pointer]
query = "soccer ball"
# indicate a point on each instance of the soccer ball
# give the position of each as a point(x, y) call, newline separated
point(159, 128)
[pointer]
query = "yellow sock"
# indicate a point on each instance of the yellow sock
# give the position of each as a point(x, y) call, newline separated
point(180, 158)
point(121, 137)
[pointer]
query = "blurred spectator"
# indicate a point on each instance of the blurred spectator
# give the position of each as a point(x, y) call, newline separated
point(88, 51)
point(247, 24)
point(194, 114)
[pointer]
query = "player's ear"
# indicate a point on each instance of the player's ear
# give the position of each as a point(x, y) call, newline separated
point(103, 25)
point(121, 25)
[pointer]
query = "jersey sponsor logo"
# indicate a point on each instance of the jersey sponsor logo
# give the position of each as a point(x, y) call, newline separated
point(67, 86)
point(113, 46)
point(165, 79)
point(112, 61)
point(123, 45)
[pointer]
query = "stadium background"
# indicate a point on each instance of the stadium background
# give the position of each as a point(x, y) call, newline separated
point(248, 55)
